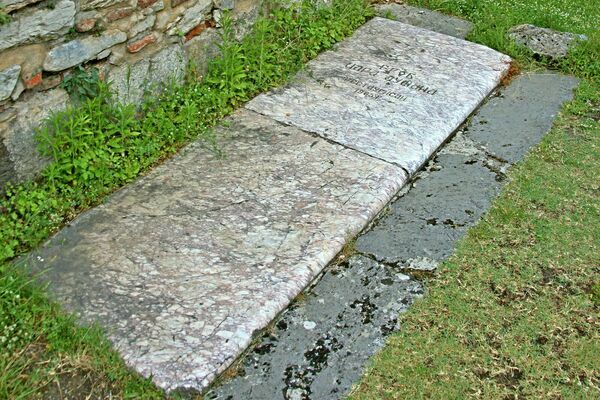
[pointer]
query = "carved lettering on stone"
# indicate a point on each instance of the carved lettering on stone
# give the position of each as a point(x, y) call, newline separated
point(393, 91)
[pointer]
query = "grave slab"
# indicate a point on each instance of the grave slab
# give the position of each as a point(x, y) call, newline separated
point(351, 308)
point(393, 91)
point(182, 267)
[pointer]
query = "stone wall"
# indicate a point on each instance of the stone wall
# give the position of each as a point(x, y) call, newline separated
point(136, 44)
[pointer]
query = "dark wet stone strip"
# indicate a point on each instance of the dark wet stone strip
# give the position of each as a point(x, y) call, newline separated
point(511, 123)
point(318, 348)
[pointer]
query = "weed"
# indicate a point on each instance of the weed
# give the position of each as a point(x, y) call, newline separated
point(82, 84)
point(4, 17)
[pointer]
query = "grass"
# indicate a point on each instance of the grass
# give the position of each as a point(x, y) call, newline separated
point(97, 146)
point(513, 314)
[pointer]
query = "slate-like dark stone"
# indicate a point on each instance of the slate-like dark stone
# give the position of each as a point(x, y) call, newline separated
point(423, 226)
point(510, 124)
point(318, 347)
point(544, 41)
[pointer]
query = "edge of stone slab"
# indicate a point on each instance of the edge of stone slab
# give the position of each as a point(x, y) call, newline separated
point(327, 260)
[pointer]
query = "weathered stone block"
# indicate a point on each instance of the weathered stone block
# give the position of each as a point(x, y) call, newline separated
point(132, 82)
point(202, 48)
point(129, 81)
point(199, 29)
point(543, 41)
point(33, 80)
point(138, 44)
point(168, 64)
point(192, 17)
point(152, 8)
point(103, 54)
point(119, 13)
point(12, 5)
point(80, 50)
point(244, 15)
point(85, 25)
point(30, 57)
point(18, 147)
point(145, 3)
point(20, 88)
point(7, 171)
point(144, 25)
point(86, 21)
point(93, 4)
point(8, 81)
point(37, 25)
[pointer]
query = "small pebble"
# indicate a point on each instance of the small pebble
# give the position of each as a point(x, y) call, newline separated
point(309, 325)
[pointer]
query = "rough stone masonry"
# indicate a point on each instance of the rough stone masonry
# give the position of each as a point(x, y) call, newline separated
point(135, 43)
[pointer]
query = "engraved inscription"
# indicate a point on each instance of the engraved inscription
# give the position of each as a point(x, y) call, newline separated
point(371, 90)
point(393, 75)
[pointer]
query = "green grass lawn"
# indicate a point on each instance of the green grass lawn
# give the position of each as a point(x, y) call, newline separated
point(513, 314)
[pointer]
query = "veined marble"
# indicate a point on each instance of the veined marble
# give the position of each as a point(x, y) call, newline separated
point(393, 91)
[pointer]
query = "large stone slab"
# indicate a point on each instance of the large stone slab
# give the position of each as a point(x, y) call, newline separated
point(393, 91)
point(182, 267)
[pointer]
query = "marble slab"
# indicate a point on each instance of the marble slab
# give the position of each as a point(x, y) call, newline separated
point(392, 91)
point(182, 267)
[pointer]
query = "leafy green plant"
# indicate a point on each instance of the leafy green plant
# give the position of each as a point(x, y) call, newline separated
point(82, 84)
point(4, 17)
